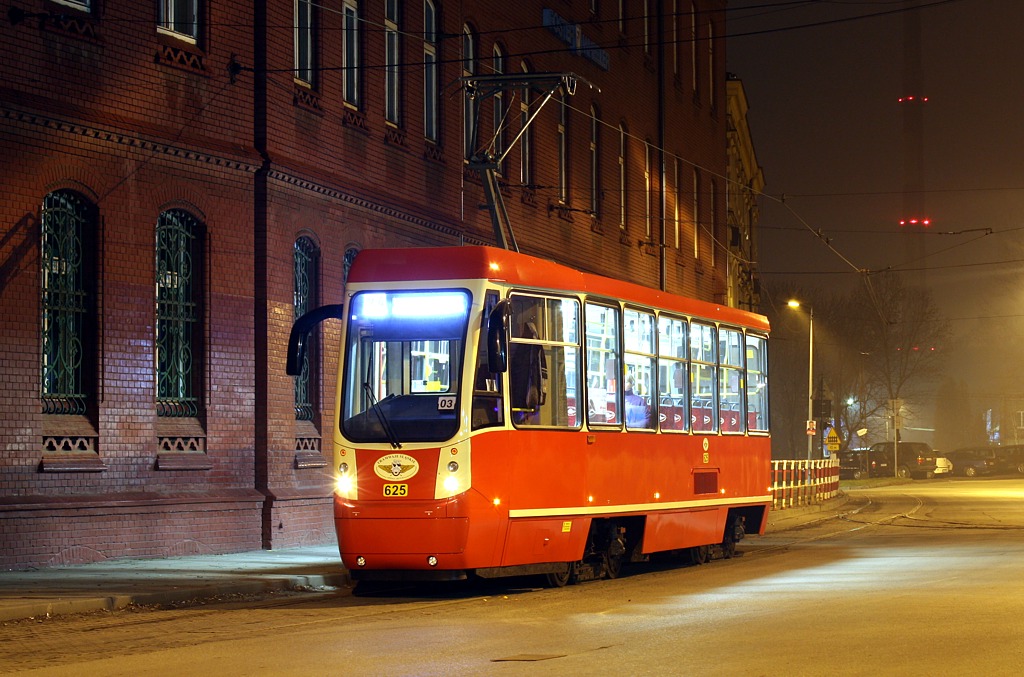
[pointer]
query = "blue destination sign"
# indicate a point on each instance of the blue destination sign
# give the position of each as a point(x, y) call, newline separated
point(572, 35)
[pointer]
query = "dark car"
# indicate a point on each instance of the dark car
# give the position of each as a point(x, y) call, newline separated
point(1009, 458)
point(907, 459)
point(853, 464)
point(972, 461)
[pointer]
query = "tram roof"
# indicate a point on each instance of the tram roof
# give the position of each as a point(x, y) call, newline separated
point(501, 265)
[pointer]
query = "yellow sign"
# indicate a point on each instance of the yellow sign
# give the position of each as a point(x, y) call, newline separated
point(832, 440)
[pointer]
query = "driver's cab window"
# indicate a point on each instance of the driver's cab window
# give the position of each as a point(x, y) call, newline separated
point(404, 351)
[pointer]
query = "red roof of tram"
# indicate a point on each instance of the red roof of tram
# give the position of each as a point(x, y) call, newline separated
point(500, 265)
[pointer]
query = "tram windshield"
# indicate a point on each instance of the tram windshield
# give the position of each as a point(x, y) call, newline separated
point(403, 363)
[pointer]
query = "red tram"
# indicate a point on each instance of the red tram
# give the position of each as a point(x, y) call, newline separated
point(498, 414)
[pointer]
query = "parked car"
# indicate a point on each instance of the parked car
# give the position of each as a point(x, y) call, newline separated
point(907, 459)
point(853, 464)
point(972, 461)
point(1010, 458)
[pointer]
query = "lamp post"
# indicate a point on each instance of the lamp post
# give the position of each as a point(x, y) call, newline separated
point(810, 372)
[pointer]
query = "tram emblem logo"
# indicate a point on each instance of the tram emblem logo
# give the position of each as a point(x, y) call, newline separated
point(394, 467)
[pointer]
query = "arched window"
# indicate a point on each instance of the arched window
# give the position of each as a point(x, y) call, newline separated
point(392, 81)
point(696, 213)
point(179, 292)
point(693, 48)
point(430, 95)
point(678, 199)
point(180, 18)
point(622, 177)
point(350, 53)
point(305, 42)
point(712, 76)
point(346, 264)
point(526, 140)
point(562, 146)
point(68, 303)
point(595, 163)
point(647, 190)
point(713, 221)
point(306, 268)
point(498, 65)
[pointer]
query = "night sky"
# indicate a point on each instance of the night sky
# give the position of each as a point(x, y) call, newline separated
point(823, 90)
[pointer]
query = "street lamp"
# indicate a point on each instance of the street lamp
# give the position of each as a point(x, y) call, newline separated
point(810, 373)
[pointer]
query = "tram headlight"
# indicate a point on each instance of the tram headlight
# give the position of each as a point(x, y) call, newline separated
point(345, 481)
point(454, 474)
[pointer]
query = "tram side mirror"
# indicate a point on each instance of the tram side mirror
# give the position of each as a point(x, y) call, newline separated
point(497, 338)
point(299, 335)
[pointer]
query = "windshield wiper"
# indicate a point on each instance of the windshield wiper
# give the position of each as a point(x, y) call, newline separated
point(384, 424)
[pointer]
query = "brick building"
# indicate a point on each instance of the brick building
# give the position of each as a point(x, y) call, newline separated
point(182, 177)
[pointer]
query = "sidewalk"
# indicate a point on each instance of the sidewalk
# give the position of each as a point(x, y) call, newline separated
point(116, 584)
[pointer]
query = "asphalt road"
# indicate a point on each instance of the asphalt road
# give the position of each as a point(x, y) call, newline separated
point(924, 578)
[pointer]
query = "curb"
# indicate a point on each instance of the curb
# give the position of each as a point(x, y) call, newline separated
point(45, 608)
point(782, 518)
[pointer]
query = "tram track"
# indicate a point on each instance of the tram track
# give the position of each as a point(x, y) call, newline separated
point(861, 517)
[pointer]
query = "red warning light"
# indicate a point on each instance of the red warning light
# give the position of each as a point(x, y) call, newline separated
point(908, 99)
point(916, 222)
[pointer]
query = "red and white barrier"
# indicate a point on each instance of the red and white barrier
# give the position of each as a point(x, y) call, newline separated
point(796, 483)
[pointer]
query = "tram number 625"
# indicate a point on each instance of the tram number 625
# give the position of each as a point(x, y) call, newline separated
point(396, 489)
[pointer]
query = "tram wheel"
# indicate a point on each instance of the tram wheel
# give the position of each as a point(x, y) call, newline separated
point(559, 579)
point(612, 566)
point(699, 554)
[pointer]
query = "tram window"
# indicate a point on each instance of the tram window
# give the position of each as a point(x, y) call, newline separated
point(429, 367)
point(703, 378)
point(674, 406)
point(544, 361)
point(730, 380)
point(641, 407)
point(757, 383)
point(488, 405)
point(403, 361)
point(603, 392)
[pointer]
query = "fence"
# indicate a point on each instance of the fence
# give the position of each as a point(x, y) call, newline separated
point(796, 483)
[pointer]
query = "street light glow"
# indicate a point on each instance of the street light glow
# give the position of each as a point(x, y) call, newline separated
point(793, 303)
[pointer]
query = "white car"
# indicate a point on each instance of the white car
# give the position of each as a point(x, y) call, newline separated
point(943, 466)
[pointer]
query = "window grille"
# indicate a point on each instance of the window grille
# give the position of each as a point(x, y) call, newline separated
point(305, 295)
point(178, 280)
point(66, 299)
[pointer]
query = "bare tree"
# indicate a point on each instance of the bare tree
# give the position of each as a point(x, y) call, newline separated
point(875, 343)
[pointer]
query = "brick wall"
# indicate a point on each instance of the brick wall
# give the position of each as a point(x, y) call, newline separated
point(138, 122)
